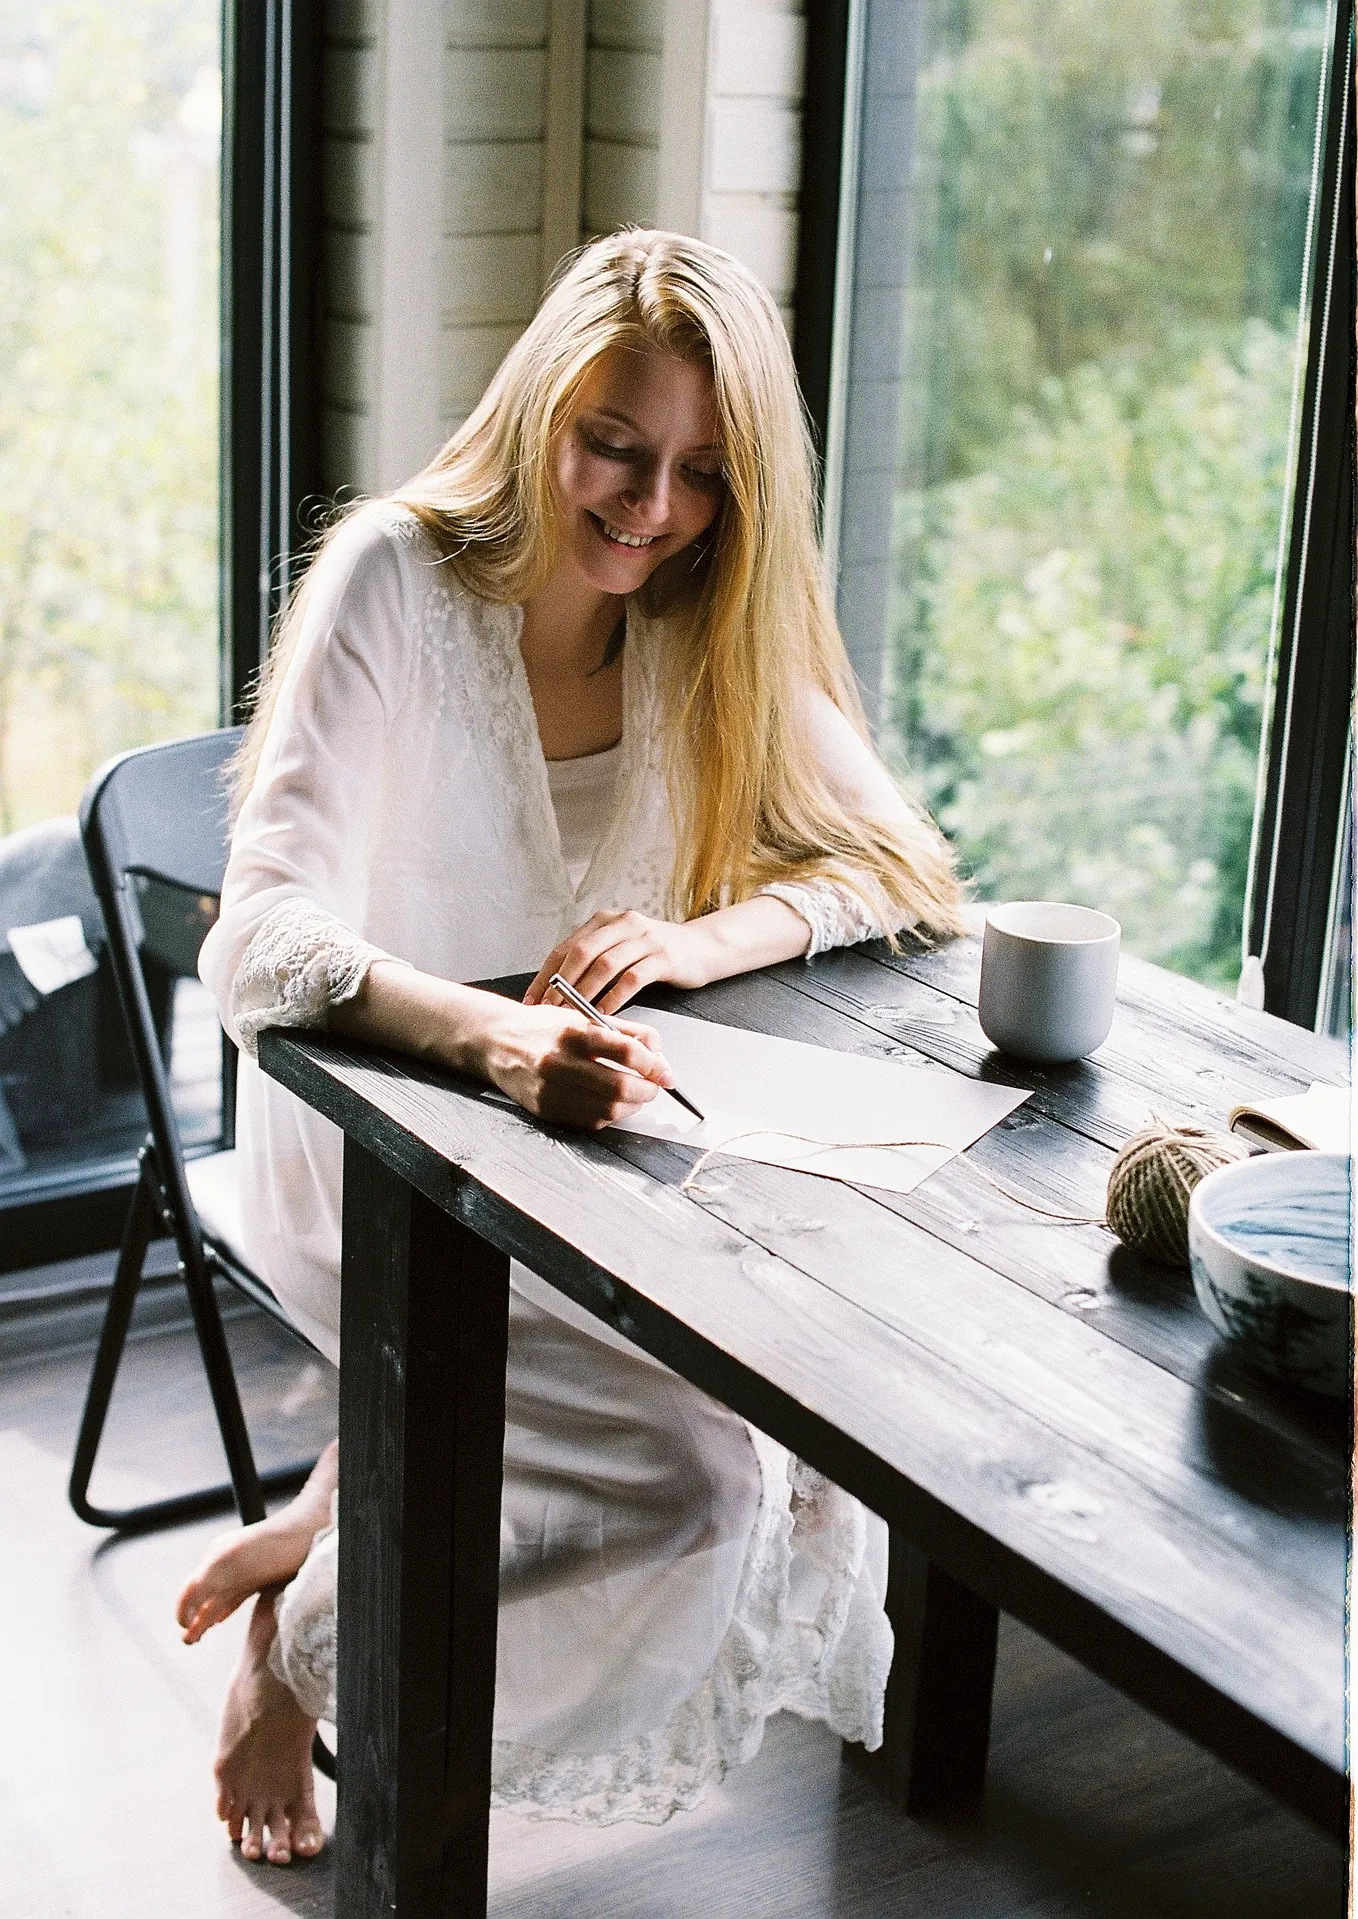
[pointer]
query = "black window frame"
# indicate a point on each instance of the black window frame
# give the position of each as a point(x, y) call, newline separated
point(1310, 739)
point(272, 318)
point(273, 315)
point(1297, 867)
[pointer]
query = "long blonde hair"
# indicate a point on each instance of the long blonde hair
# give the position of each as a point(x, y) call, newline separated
point(749, 625)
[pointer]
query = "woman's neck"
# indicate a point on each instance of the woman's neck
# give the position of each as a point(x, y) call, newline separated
point(564, 642)
point(567, 625)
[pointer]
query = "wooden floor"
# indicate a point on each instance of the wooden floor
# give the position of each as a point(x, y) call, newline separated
point(106, 1730)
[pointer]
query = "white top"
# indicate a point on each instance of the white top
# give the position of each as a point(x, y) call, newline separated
point(668, 1578)
point(584, 793)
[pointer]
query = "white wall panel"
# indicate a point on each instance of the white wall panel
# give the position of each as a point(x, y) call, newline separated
point(351, 274)
point(763, 236)
point(350, 362)
point(754, 146)
point(620, 186)
point(490, 279)
point(497, 23)
point(494, 93)
point(624, 95)
point(622, 114)
point(347, 444)
point(757, 50)
point(470, 355)
point(351, 82)
point(349, 185)
point(351, 192)
point(353, 19)
point(492, 186)
point(636, 24)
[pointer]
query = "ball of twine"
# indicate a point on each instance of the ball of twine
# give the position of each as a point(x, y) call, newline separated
point(1152, 1179)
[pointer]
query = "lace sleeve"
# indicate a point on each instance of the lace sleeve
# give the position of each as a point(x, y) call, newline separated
point(300, 962)
point(836, 916)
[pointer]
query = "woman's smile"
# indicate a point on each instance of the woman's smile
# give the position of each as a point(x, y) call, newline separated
point(620, 538)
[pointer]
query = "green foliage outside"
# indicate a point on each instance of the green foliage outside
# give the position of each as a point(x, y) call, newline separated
point(1110, 210)
point(108, 387)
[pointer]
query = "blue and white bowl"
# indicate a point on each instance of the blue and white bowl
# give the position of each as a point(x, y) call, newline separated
point(1269, 1243)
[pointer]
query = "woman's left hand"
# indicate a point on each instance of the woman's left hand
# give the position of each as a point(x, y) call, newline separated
point(613, 955)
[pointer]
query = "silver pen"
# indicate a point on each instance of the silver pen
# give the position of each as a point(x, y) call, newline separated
point(582, 1005)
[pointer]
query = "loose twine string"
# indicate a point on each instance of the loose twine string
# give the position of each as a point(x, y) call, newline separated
point(700, 1165)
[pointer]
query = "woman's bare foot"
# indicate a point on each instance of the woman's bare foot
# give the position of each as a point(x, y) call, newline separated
point(257, 1557)
point(263, 1767)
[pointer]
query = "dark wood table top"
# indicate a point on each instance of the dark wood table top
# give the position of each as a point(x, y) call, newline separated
point(1050, 1417)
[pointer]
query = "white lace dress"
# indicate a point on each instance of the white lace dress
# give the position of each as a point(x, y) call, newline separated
point(669, 1578)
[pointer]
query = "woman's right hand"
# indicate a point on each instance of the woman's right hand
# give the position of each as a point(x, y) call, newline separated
point(552, 1061)
point(564, 1069)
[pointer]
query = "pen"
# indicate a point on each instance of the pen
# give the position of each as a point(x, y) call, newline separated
point(582, 1005)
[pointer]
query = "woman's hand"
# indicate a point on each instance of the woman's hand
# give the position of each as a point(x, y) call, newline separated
point(562, 1068)
point(613, 955)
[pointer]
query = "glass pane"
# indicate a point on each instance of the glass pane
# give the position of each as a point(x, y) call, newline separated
point(1109, 219)
point(109, 152)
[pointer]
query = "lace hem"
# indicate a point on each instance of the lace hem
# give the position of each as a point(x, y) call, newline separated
point(830, 1666)
point(836, 916)
point(828, 1661)
point(299, 964)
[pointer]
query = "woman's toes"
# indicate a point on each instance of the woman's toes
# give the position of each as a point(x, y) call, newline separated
point(308, 1835)
point(252, 1835)
point(279, 1850)
point(308, 1838)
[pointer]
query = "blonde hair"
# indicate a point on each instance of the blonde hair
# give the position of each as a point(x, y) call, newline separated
point(749, 625)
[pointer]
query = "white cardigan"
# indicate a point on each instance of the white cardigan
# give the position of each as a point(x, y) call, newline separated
point(401, 808)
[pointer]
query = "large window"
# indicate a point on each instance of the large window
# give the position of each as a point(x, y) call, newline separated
point(110, 122)
point(1089, 227)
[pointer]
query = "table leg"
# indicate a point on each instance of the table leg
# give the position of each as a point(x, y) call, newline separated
point(937, 1725)
point(422, 1408)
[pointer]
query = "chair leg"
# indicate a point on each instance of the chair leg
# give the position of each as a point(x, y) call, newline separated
point(246, 1488)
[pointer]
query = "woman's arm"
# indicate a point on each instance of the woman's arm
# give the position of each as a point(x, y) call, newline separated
point(552, 1062)
point(614, 955)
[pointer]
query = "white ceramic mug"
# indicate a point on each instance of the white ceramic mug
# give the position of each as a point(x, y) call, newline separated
point(1049, 977)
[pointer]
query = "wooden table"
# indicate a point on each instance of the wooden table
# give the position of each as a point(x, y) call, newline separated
point(1047, 1423)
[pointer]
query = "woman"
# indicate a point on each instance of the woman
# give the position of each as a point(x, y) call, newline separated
point(572, 701)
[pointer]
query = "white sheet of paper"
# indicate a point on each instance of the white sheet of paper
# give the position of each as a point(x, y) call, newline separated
point(752, 1084)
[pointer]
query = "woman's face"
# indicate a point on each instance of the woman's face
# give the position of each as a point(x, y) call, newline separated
point(638, 471)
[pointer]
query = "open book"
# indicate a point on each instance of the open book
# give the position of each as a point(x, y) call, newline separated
point(1321, 1118)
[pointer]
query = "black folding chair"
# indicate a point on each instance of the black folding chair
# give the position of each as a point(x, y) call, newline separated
point(154, 823)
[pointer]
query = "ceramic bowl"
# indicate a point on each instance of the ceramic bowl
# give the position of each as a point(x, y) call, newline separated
point(1268, 1241)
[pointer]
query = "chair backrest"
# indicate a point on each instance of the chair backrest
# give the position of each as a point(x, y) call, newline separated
point(159, 813)
point(162, 811)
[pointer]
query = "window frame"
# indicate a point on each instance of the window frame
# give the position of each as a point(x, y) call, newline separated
point(272, 312)
point(273, 307)
point(1291, 906)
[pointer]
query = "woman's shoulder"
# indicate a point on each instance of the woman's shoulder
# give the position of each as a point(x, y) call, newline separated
point(379, 564)
point(373, 535)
